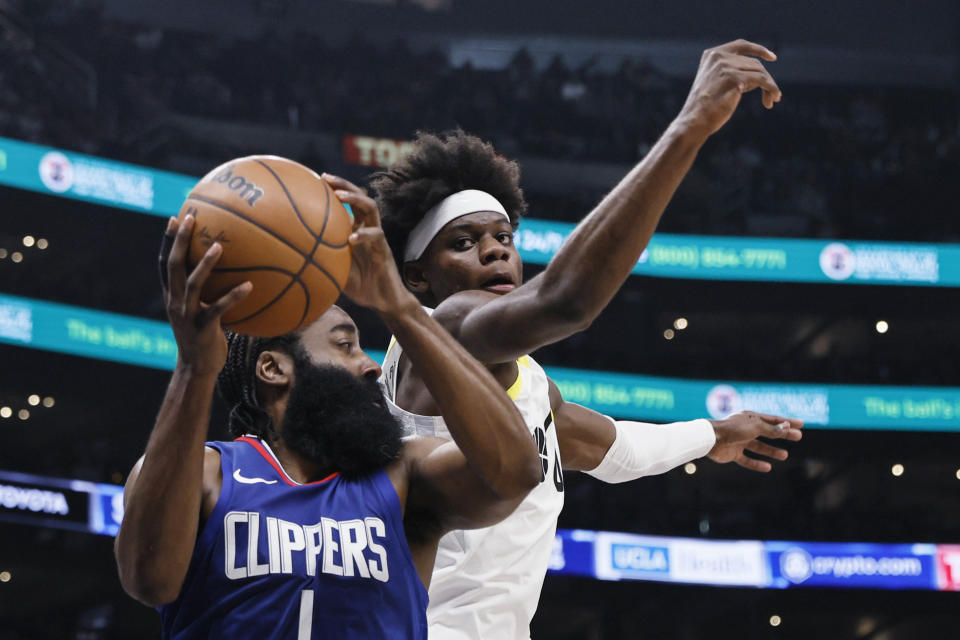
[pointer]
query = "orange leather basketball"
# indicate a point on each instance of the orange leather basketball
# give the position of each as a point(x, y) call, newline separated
point(282, 228)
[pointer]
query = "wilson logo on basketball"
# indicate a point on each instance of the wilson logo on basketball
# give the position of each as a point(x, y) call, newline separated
point(244, 188)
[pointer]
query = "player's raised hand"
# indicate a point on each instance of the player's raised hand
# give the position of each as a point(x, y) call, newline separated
point(374, 280)
point(740, 432)
point(725, 74)
point(201, 345)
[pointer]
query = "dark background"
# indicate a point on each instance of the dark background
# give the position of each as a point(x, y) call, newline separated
point(864, 146)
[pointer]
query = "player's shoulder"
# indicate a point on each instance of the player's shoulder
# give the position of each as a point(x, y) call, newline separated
point(451, 312)
point(415, 448)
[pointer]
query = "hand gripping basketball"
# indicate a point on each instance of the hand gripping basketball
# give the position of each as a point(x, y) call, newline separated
point(201, 345)
point(374, 280)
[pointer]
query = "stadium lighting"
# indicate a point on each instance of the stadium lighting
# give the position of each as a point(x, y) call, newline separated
point(690, 468)
point(16, 256)
point(882, 326)
point(3, 254)
point(775, 620)
point(29, 241)
point(958, 474)
point(33, 400)
point(680, 324)
point(23, 414)
point(42, 243)
point(897, 470)
point(48, 402)
point(668, 334)
point(6, 412)
point(5, 576)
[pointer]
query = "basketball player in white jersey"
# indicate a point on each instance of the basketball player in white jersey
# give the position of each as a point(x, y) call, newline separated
point(449, 211)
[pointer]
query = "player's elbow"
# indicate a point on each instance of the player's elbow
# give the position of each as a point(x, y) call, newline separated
point(146, 579)
point(520, 477)
point(569, 308)
point(151, 590)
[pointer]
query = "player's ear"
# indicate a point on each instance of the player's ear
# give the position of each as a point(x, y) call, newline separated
point(414, 277)
point(275, 369)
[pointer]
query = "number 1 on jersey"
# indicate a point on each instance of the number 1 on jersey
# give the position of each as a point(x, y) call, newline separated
point(306, 614)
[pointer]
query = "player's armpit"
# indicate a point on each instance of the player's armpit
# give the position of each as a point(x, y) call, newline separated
point(444, 493)
point(584, 435)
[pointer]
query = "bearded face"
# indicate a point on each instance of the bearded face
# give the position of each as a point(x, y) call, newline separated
point(339, 421)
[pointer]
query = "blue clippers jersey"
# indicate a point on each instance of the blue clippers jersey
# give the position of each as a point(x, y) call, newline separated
point(277, 559)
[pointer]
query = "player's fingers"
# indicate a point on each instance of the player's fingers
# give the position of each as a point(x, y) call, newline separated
point(199, 276)
point(747, 462)
point(764, 449)
point(365, 236)
point(746, 48)
point(229, 299)
point(772, 419)
point(336, 182)
point(782, 428)
point(749, 80)
point(177, 263)
point(166, 244)
point(365, 210)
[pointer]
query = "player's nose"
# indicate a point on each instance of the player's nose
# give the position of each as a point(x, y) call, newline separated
point(491, 249)
point(369, 368)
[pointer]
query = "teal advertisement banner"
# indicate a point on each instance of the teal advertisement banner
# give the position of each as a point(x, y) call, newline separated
point(85, 332)
point(82, 177)
point(829, 406)
point(73, 175)
point(149, 343)
point(769, 259)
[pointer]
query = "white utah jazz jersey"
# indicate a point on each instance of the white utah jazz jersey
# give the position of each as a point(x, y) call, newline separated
point(486, 582)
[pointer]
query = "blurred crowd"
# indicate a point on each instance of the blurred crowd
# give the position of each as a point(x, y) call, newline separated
point(827, 162)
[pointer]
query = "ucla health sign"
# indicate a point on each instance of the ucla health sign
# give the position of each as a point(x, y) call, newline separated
point(622, 556)
point(768, 259)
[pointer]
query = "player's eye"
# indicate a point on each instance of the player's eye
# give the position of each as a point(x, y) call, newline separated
point(506, 237)
point(345, 345)
point(462, 244)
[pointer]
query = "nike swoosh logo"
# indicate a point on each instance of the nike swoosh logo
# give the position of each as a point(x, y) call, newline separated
point(240, 478)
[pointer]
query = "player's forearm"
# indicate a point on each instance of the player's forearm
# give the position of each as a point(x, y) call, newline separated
point(482, 419)
point(161, 518)
point(604, 248)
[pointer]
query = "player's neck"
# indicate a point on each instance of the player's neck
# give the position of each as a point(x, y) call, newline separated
point(297, 467)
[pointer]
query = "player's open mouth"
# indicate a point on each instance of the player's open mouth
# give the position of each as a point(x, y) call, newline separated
point(500, 284)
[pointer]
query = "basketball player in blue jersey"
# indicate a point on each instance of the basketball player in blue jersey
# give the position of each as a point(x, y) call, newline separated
point(317, 522)
point(449, 210)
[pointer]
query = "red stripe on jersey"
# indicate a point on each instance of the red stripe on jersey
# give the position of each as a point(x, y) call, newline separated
point(273, 463)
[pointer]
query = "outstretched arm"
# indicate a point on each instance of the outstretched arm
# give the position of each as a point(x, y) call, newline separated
point(493, 463)
point(615, 451)
point(166, 489)
point(601, 252)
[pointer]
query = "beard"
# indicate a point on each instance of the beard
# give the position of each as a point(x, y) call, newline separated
point(338, 421)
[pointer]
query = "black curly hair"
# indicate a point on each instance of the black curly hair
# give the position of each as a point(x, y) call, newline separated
point(437, 167)
point(237, 382)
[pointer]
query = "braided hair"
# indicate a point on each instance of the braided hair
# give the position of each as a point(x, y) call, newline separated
point(237, 382)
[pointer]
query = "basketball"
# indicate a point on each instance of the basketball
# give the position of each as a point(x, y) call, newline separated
point(282, 228)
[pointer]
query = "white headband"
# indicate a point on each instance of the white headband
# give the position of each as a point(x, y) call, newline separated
point(450, 208)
